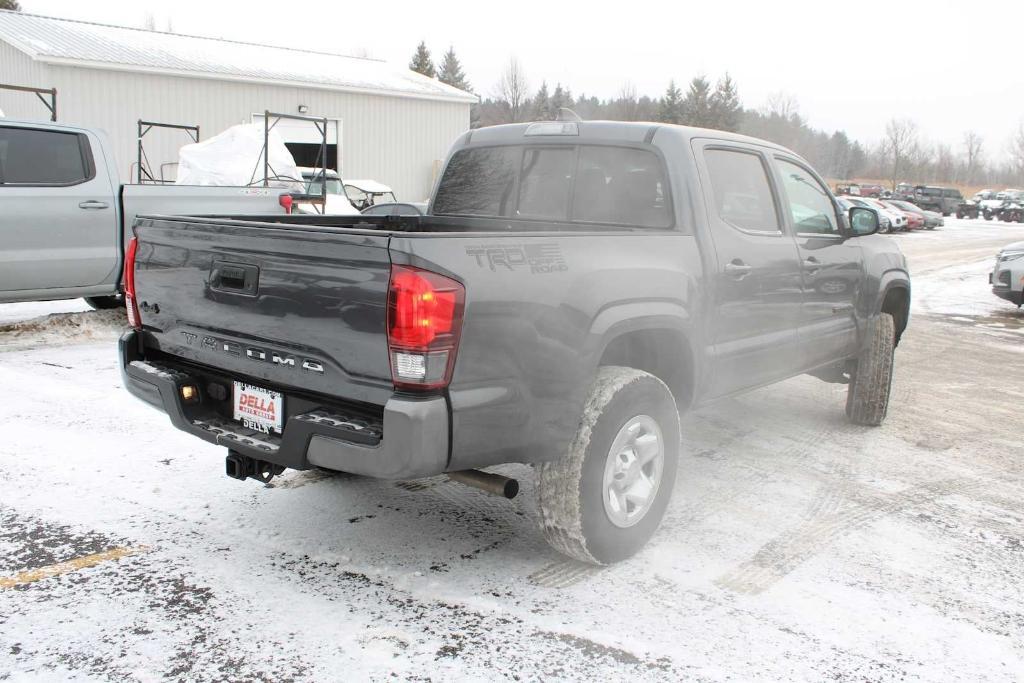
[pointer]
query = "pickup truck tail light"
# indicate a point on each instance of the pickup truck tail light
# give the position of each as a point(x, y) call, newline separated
point(424, 323)
point(130, 302)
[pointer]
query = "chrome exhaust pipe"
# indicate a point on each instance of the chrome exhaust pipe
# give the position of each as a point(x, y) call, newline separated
point(485, 481)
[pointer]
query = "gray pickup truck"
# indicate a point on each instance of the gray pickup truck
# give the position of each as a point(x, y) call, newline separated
point(571, 289)
point(65, 217)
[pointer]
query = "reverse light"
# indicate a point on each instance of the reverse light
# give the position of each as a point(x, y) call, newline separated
point(130, 301)
point(424, 323)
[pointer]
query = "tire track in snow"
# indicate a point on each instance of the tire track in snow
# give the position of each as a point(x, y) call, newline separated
point(783, 554)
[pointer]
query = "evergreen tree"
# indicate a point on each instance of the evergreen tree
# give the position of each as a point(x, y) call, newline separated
point(725, 105)
point(451, 71)
point(542, 104)
point(670, 109)
point(560, 99)
point(697, 104)
point(10, 4)
point(421, 61)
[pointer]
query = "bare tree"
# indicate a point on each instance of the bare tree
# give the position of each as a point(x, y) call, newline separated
point(514, 90)
point(972, 154)
point(781, 104)
point(900, 148)
point(1017, 152)
point(626, 106)
point(149, 23)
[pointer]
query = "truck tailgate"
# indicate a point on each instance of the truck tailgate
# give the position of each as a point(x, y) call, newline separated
point(289, 305)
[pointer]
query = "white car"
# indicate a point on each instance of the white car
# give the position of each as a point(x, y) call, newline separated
point(1007, 278)
point(897, 221)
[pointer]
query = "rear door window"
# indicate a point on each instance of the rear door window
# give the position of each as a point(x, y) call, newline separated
point(545, 182)
point(42, 157)
point(621, 186)
point(479, 182)
point(564, 183)
point(741, 190)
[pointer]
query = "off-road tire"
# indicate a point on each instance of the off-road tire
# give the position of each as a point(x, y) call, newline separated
point(570, 490)
point(103, 303)
point(867, 398)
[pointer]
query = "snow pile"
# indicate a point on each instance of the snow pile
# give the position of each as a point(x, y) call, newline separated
point(235, 158)
point(62, 328)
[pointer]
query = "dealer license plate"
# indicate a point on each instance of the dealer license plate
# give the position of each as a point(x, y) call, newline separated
point(259, 409)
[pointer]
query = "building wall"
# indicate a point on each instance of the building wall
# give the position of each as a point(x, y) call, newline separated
point(18, 69)
point(398, 141)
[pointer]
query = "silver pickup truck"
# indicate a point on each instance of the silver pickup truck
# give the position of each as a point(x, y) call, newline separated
point(64, 215)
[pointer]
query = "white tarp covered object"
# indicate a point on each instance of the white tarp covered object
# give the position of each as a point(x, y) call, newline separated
point(235, 158)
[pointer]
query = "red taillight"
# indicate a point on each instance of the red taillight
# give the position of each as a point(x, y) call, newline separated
point(424, 322)
point(286, 201)
point(130, 302)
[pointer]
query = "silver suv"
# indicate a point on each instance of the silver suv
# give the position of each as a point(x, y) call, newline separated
point(1007, 279)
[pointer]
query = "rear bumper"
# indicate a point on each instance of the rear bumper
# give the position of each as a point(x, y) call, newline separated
point(410, 440)
point(1013, 297)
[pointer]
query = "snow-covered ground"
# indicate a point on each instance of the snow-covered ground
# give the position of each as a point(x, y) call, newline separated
point(797, 546)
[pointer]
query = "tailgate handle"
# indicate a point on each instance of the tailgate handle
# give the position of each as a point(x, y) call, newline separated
point(237, 278)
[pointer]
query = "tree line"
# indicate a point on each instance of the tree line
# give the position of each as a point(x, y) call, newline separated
point(903, 155)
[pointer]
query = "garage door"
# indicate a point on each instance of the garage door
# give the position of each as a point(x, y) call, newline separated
point(303, 140)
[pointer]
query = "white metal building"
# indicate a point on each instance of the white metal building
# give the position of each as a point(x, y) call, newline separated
point(388, 123)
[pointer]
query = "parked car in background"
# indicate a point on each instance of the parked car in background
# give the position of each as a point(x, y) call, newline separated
point(886, 216)
point(897, 219)
point(915, 220)
point(968, 209)
point(1007, 278)
point(871, 190)
point(848, 189)
point(1012, 208)
point(928, 219)
point(65, 217)
point(944, 200)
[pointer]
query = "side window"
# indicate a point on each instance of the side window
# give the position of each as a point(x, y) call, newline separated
point(479, 182)
point(622, 186)
point(41, 157)
point(809, 203)
point(545, 181)
point(742, 193)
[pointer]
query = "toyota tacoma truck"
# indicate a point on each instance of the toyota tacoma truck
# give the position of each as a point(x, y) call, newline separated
point(66, 218)
point(571, 288)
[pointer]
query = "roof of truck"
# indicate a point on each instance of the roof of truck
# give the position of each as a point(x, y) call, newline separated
point(624, 131)
point(103, 46)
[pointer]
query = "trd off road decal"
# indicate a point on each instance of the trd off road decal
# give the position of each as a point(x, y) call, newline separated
point(538, 258)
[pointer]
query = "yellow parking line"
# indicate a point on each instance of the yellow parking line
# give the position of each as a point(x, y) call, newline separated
point(31, 575)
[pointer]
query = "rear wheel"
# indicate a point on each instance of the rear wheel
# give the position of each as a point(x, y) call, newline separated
point(101, 303)
point(604, 499)
point(867, 398)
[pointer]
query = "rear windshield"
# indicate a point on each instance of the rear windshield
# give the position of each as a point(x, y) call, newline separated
point(565, 183)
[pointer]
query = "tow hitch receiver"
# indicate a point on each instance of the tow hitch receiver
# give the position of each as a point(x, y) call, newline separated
point(241, 467)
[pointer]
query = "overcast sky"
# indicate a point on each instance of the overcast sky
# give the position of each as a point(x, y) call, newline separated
point(850, 65)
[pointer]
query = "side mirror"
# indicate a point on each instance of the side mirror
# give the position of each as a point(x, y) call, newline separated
point(863, 221)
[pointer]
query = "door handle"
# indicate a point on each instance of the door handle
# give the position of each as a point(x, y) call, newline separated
point(812, 264)
point(737, 269)
point(93, 204)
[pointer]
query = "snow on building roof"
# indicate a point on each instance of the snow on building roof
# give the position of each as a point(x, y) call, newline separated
point(102, 46)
